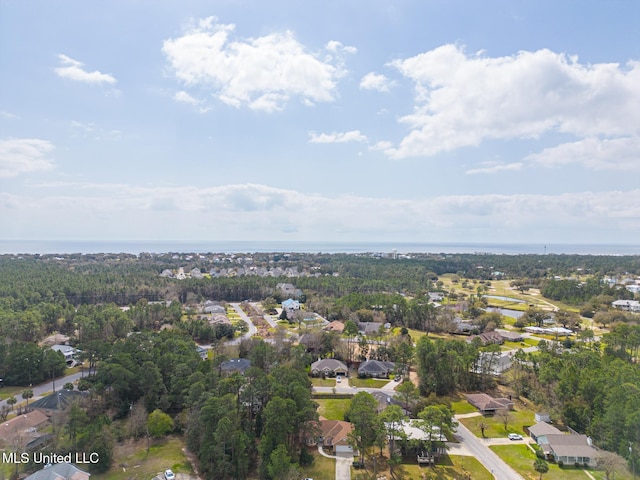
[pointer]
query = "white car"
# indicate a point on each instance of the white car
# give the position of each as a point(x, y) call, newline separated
point(515, 436)
point(338, 379)
point(169, 475)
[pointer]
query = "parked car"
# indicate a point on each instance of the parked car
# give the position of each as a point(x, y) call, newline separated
point(515, 436)
point(169, 475)
point(338, 379)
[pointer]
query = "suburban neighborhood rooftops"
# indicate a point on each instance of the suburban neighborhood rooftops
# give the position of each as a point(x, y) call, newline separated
point(60, 471)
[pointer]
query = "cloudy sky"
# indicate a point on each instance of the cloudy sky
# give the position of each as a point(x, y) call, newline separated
point(341, 120)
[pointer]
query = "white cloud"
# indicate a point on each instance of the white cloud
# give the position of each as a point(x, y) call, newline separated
point(8, 115)
point(184, 97)
point(87, 127)
point(495, 167)
point(72, 69)
point(463, 99)
point(375, 81)
point(262, 73)
point(381, 145)
point(337, 137)
point(593, 153)
point(255, 211)
point(338, 47)
point(24, 155)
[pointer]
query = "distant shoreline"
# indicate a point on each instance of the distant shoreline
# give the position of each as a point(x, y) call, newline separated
point(15, 247)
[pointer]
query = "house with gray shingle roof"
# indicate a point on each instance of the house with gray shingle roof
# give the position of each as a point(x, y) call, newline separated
point(328, 367)
point(60, 471)
point(376, 369)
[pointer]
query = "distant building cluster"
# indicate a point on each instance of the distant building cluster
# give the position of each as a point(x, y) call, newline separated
point(243, 271)
point(630, 283)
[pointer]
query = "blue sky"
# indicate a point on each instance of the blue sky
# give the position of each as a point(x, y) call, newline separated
point(408, 121)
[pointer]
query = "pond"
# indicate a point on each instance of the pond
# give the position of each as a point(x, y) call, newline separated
point(505, 299)
point(507, 312)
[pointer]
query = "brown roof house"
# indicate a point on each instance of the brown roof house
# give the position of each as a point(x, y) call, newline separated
point(333, 435)
point(21, 430)
point(334, 326)
point(486, 404)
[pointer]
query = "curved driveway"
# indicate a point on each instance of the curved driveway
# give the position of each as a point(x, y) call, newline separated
point(243, 316)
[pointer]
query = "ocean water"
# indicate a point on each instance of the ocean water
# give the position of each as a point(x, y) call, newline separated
point(136, 247)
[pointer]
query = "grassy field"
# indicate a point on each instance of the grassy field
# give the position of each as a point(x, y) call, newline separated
point(140, 465)
point(333, 408)
point(449, 467)
point(6, 392)
point(521, 459)
point(323, 468)
point(495, 428)
point(368, 382)
point(462, 406)
point(323, 382)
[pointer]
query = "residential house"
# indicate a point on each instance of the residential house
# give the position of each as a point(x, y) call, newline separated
point(627, 305)
point(369, 328)
point(59, 471)
point(540, 430)
point(288, 290)
point(333, 435)
point(213, 308)
point(58, 401)
point(510, 336)
point(290, 306)
point(311, 341)
point(569, 449)
point(328, 367)
point(202, 352)
point(239, 365)
point(435, 297)
point(22, 429)
point(488, 338)
point(486, 404)
point(219, 318)
point(376, 369)
point(334, 326)
point(385, 399)
point(67, 351)
point(56, 339)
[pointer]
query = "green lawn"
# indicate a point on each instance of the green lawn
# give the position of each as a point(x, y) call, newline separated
point(521, 459)
point(495, 428)
point(323, 382)
point(462, 406)
point(368, 382)
point(449, 467)
point(6, 392)
point(333, 408)
point(323, 468)
point(141, 465)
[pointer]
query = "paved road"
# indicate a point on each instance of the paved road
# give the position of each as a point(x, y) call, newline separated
point(40, 390)
point(343, 464)
point(491, 461)
point(243, 316)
